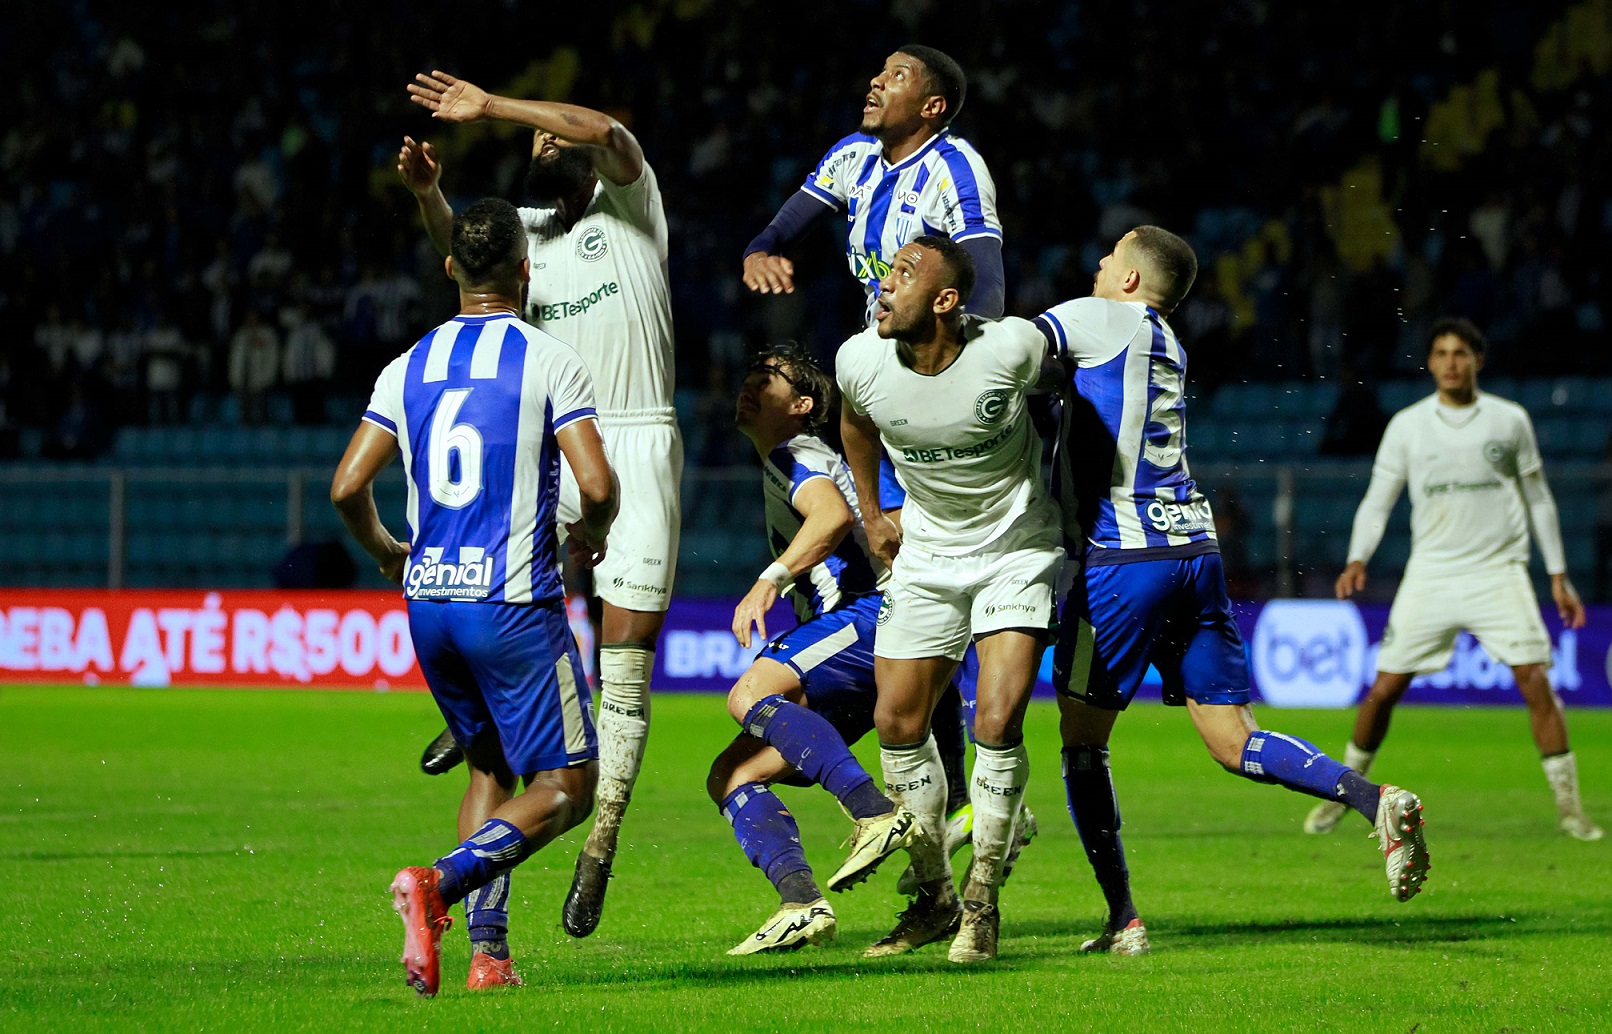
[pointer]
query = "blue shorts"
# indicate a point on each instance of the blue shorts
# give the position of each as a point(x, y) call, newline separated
point(891, 495)
point(833, 656)
point(1172, 614)
point(510, 670)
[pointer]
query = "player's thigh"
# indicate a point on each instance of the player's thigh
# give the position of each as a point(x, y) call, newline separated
point(1014, 588)
point(926, 607)
point(764, 678)
point(1202, 653)
point(1106, 631)
point(453, 685)
point(832, 656)
point(640, 561)
point(908, 690)
point(1502, 613)
point(1426, 618)
point(1009, 659)
point(525, 660)
point(1084, 725)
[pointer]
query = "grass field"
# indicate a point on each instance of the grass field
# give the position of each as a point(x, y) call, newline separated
point(203, 860)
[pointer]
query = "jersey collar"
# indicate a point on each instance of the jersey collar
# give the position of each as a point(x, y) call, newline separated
point(916, 156)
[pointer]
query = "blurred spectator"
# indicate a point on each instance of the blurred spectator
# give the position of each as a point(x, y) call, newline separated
point(80, 433)
point(309, 363)
point(254, 366)
point(166, 354)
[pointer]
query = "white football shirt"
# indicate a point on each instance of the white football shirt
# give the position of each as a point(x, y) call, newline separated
point(1462, 465)
point(961, 439)
point(601, 287)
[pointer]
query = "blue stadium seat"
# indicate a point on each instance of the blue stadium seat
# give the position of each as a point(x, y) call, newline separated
point(1536, 397)
point(1396, 395)
point(1505, 387)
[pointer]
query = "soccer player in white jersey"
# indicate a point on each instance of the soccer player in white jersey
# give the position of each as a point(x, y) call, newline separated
point(1476, 483)
point(482, 409)
point(811, 691)
point(1151, 590)
point(977, 557)
point(597, 242)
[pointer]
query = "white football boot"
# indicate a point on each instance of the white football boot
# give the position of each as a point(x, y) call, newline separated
point(1399, 827)
point(791, 927)
point(1130, 941)
point(1324, 817)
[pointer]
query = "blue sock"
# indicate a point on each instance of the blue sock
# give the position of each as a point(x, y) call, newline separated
point(1090, 788)
point(491, 851)
point(770, 839)
point(1274, 757)
point(950, 740)
point(809, 742)
point(487, 916)
point(967, 681)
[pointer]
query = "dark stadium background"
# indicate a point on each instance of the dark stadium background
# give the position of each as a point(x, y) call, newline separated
point(178, 182)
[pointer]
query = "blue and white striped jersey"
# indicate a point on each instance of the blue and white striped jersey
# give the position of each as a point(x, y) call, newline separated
point(941, 188)
point(845, 574)
point(475, 406)
point(1122, 476)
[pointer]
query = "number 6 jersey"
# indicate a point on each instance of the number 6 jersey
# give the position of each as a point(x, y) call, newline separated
point(1122, 474)
point(475, 406)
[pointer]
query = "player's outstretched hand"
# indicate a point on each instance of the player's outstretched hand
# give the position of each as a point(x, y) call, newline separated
point(1568, 605)
point(393, 563)
point(752, 610)
point(884, 538)
point(417, 166)
point(449, 99)
point(584, 551)
point(769, 274)
point(1352, 580)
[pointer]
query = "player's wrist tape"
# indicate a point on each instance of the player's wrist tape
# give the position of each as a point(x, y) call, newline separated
point(778, 575)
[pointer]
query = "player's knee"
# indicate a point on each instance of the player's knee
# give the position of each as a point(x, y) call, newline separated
point(997, 725)
point(718, 782)
point(901, 725)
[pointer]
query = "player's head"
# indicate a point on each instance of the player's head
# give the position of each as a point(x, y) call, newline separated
point(785, 393)
point(917, 86)
point(1455, 349)
point(488, 253)
point(929, 281)
point(1149, 265)
point(558, 169)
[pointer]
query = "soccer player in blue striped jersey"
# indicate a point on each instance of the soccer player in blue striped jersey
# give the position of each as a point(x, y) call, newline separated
point(811, 691)
point(482, 409)
point(1151, 590)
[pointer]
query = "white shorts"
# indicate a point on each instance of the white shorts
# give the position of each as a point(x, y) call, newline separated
point(640, 561)
point(933, 604)
point(1497, 605)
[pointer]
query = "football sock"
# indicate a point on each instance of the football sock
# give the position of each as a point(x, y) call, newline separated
point(624, 672)
point(1562, 771)
point(1357, 759)
point(914, 779)
point(807, 741)
point(997, 792)
point(1089, 785)
point(967, 681)
point(768, 836)
point(947, 726)
point(487, 917)
point(1275, 757)
point(491, 851)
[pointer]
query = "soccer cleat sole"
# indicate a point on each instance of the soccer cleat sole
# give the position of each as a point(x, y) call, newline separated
point(867, 857)
point(1324, 817)
point(413, 897)
point(791, 928)
point(584, 904)
point(1405, 854)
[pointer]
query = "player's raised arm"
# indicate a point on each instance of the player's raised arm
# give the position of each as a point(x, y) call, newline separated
point(371, 450)
point(766, 270)
point(418, 168)
point(612, 148)
point(1371, 518)
point(584, 451)
point(827, 521)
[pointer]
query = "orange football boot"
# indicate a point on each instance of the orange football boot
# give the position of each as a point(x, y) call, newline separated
point(486, 971)
point(416, 899)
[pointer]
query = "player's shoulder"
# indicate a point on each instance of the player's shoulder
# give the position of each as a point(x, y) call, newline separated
point(1092, 326)
point(534, 218)
point(951, 147)
point(1506, 407)
point(807, 450)
point(1416, 413)
point(852, 143)
point(863, 346)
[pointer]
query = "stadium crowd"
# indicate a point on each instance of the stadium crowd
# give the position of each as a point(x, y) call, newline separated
point(200, 221)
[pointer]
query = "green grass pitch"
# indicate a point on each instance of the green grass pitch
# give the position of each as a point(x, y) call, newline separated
point(183, 860)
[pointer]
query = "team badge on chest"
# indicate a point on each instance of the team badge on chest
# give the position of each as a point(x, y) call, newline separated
point(592, 245)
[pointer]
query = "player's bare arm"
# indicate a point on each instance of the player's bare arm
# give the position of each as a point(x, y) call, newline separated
point(371, 450)
point(828, 520)
point(418, 168)
point(584, 451)
point(860, 438)
point(612, 148)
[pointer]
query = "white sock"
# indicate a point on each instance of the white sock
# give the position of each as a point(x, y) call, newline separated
point(1357, 759)
point(915, 779)
point(623, 730)
point(1562, 771)
point(997, 793)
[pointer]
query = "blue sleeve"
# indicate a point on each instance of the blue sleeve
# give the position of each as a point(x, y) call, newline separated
point(800, 213)
point(990, 287)
point(791, 466)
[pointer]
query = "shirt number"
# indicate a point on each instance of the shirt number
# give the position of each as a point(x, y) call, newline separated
point(447, 440)
point(1165, 411)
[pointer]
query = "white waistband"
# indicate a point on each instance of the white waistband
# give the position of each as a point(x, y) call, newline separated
point(662, 416)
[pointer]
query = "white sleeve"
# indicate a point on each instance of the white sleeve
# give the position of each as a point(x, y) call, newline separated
point(640, 203)
point(1079, 330)
point(1545, 520)
point(385, 408)
point(1032, 349)
point(850, 375)
point(1387, 481)
point(571, 390)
